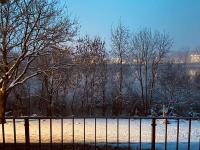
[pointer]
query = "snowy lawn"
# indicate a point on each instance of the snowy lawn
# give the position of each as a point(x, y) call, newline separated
point(101, 131)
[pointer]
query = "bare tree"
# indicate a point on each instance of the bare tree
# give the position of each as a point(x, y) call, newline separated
point(103, 82)
point(27, 30)
point(90, 54)
point(120, 42)
point(175, 86)
point(55, 77)
point(148, 49)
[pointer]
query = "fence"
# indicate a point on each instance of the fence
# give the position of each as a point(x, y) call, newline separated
point(152, 120)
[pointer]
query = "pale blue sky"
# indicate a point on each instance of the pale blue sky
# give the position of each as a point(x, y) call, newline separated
point(179, 18)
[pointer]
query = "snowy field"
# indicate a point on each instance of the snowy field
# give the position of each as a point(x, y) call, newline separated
point(101, 131)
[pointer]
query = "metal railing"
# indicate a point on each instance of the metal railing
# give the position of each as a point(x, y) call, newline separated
point(153, 130)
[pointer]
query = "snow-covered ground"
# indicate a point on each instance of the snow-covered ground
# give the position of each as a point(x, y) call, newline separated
point(101, 131)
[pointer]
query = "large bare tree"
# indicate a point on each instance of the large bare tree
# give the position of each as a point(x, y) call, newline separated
point(148, 49)
point(28, 29)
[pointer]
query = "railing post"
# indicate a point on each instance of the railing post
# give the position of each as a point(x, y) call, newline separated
point(189, 134)
point(199, 143)
point(27, 138)
point(3, 133)
point(153, 137)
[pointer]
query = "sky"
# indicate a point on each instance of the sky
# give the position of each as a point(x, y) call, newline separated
point(179, 18)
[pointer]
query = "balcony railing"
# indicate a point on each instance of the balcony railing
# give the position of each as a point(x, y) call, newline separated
point(38, 121)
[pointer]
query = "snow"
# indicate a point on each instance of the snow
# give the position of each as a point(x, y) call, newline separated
point(101, 131)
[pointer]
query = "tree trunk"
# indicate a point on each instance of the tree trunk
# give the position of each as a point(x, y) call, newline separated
point(3, 98)
point(142, 87)
point(146, 88)
point(104, 103)
point(121, 76)
point(72, 104)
